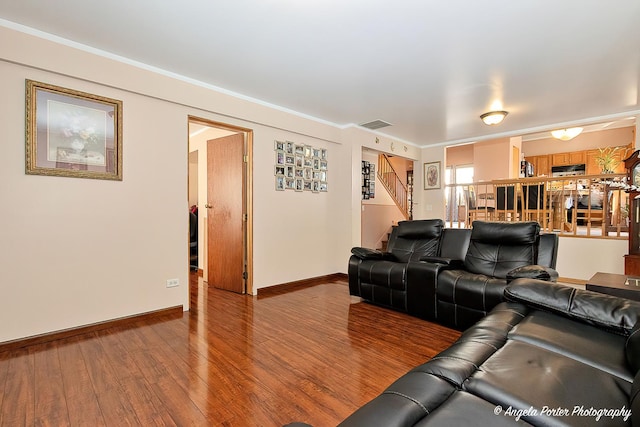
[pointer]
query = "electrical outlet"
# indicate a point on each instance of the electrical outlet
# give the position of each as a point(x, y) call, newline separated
point(172, 283)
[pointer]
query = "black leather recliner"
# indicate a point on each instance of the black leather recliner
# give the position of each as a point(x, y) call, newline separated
point(459, 292)
point(380, 277)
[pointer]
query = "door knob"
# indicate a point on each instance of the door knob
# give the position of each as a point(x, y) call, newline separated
point(208, 206)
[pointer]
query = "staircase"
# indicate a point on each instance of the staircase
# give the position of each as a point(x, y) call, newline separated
point(395, 187)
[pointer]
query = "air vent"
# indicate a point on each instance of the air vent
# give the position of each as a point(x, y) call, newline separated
point(376, 124)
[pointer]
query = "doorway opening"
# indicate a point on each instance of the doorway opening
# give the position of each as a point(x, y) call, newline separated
point(220, 194)
point(387, 196)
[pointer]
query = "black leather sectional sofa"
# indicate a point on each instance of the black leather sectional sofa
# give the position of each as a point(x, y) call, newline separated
point(551, 355)
point(451, 276)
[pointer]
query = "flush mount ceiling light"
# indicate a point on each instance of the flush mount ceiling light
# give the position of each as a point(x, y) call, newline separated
point(566, 134)
point(493, 117)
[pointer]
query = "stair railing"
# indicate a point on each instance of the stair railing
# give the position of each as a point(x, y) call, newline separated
point(391, 181)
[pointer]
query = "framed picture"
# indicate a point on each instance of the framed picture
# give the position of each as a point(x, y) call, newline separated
point(279, 158)
point(308, 185)
point(279, 145)
point(299, 184)
point(289, 159)
point(288, 147)
point(299, 159)
point(307, 151)
point(289, 171)
point(290, 183)
point(308, 173)
point(71, 133)
point(432, 176)
point(280, 183)
point(280, 170)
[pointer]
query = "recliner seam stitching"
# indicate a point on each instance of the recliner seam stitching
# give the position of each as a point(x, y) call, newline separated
point(455, 358)
point(424, 408)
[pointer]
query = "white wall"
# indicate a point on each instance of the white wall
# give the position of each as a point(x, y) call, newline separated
point(580, 258)
point(80, 251)
point(429, 203)
point(77, 251)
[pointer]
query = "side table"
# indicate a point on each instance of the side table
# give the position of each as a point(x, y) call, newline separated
point(618, 285)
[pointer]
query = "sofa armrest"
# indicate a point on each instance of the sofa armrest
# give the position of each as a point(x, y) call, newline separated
point(422, 282)
point(443, 260)
point(366, 253)
point(533, 272)
point(615, 314)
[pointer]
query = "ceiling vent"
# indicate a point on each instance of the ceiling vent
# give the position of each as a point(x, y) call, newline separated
point(376, 124)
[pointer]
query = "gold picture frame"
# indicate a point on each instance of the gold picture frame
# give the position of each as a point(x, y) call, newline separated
point(71, 133)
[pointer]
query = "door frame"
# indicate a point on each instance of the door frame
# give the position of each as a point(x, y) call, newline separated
point(248, 190)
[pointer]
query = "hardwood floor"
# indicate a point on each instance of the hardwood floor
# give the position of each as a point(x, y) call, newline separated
point(314, 355)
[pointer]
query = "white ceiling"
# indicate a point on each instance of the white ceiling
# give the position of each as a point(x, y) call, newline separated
point(428, 67)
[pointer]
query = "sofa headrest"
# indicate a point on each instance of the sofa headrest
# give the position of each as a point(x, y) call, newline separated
point(420, 229)
point(505, 233)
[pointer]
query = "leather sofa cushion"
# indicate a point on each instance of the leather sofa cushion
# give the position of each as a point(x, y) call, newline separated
point(618, 315)
point(576, 341)
point(389, 274)
point(470, 290)
point(522, 375)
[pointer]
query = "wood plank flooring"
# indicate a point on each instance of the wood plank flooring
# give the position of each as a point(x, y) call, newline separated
point(314, 355)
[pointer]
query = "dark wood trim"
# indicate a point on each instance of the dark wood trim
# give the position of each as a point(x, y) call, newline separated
point(301, 284)
point(200, 272)
point(168, 313)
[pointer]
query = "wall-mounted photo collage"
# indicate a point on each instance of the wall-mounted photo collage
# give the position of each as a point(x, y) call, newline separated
point(300, 167)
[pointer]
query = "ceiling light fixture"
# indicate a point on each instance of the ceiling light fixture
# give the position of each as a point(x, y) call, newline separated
point(493, 117)
point(566, 134)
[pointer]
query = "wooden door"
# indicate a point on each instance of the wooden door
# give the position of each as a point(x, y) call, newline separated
point(225, 210)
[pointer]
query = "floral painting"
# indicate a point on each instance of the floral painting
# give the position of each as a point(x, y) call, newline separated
point(72, 133)
point(432, 176)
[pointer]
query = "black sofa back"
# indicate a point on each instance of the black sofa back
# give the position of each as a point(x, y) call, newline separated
point(412, 240)
point(496, 248)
